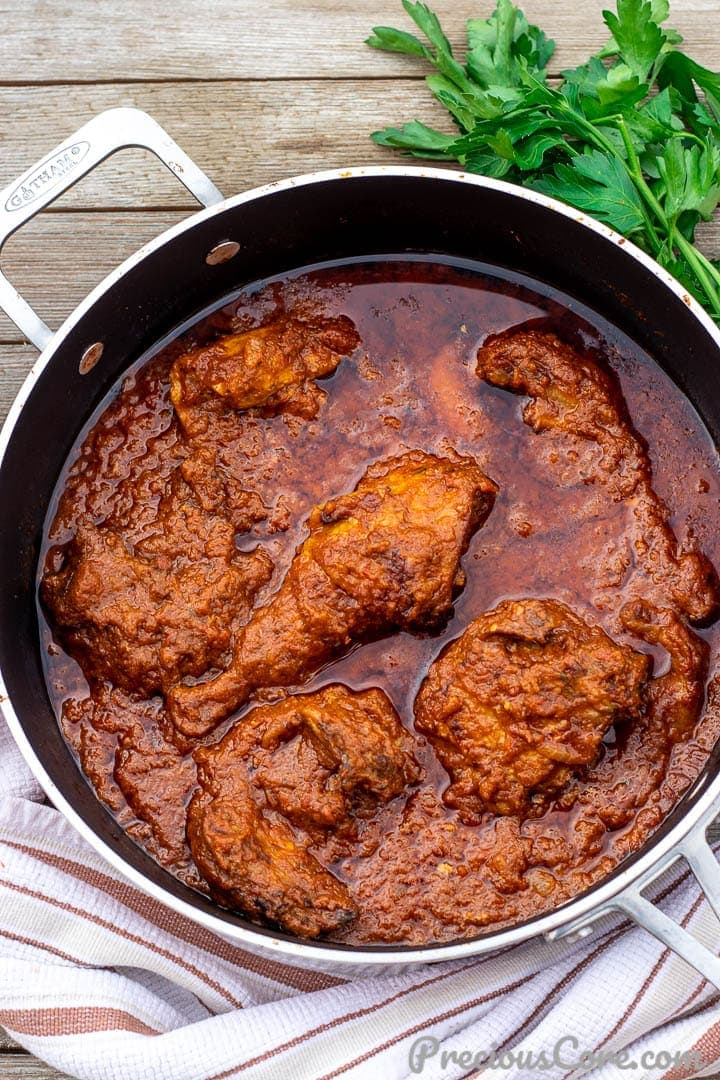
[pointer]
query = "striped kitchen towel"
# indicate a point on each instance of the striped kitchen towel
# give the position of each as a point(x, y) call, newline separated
point(107, 984)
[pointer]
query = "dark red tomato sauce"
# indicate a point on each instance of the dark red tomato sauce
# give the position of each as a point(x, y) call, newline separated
point(418, 874)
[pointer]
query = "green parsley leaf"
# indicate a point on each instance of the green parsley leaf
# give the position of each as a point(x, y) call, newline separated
point(691, 178)
point(637, 35)
point(600, 186)
point(385, 37)
point(684, 75)
point(417, 138)
point(501, 46)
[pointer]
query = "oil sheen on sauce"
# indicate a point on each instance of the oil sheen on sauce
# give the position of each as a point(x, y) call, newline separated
point(411, 385)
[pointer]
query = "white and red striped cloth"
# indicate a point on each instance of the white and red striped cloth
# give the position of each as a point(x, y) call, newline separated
point(107, 984)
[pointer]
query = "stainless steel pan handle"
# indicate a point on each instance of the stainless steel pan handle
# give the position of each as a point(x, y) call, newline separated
point(115, 129)
point(700, 857)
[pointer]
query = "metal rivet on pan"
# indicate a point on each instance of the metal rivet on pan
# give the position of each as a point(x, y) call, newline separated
point(90, 357)
point(228, 249)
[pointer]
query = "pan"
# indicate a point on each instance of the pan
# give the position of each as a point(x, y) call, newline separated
point(319, 217)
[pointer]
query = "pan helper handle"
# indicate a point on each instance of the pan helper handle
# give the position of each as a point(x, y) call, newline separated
point(697, 853)
point(115, 129)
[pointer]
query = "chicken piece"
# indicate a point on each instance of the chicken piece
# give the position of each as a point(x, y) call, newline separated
point(521, 701)
point(157, 782)
point(220, 390)
point(252, 861)
point(386, 556)
point(319, 761)
point(571, 396)
point(144, 617)
point(272, 368)
point(356, 736)
point(322, 759)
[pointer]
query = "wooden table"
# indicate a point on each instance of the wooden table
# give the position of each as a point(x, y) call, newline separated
point(252, 91)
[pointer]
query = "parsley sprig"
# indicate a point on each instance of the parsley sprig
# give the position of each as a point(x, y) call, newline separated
point(632, 136)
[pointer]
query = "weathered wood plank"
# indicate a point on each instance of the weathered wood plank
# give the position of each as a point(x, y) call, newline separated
point(17, 1064)
point(25, 1067)
point(6, 1043)
point(45, 41)
point(241, 133)
point(58, 258)
point(15, 362)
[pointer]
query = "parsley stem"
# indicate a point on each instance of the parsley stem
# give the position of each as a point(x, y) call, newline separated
point(704, 271)
point(635, 169)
